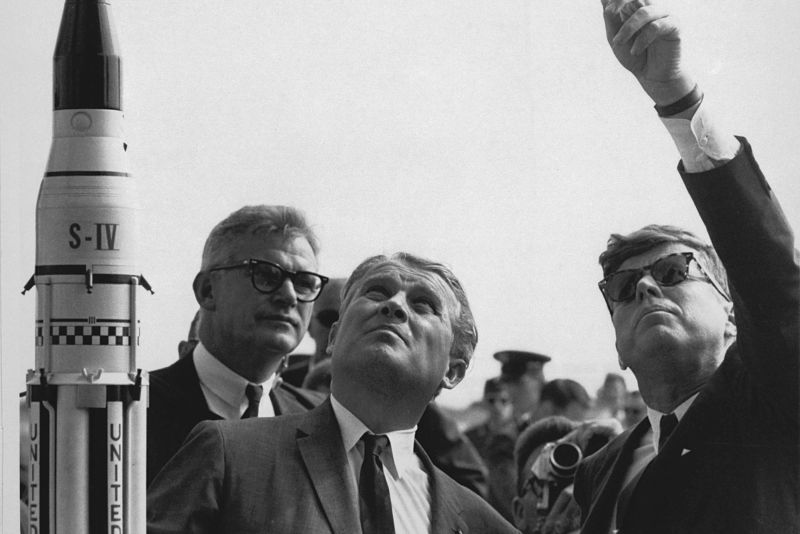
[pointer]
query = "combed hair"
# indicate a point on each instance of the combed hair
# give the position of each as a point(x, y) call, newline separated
point(465, 333)
point(250, 220)
point(539, 433)
point(621, 247)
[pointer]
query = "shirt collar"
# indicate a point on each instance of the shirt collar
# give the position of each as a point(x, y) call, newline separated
point(655, 417)
point(401, 457)
point(219, 378)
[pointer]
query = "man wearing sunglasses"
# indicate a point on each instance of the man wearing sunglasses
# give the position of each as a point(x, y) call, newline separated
point(256, 288)
point(715, 356)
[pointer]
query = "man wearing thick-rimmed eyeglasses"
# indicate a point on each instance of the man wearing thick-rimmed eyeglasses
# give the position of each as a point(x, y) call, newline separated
point(715, 355)
point(256, 288)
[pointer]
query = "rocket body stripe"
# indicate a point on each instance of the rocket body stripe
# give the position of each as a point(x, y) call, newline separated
point(85, 173)
point(72, 463)
point(115, 479)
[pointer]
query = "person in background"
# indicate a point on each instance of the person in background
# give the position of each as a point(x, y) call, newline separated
point(611, 396)
point(186, 346)
point(635, 409)
point(500, 416)
point(563, 396)
point(543, 501)
point(405, 332)
point(523, 371)
point(324, 314)
point(712, 333)
point(255, 288)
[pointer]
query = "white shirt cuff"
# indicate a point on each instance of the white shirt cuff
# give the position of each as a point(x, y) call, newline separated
point(703, 144)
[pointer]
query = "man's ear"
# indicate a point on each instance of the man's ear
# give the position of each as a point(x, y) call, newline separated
point(730, 325)
point(204, 290)
point(518, 512)
point(619, 357)
point(331, 338)
point(456, 369)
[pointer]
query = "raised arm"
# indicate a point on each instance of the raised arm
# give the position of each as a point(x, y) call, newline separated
point(740, 212)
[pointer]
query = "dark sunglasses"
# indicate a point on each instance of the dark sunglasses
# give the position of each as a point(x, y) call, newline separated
point(267, 277)
point(669, 270)
point(327, 317)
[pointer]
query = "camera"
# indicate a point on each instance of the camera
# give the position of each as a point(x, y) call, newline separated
point(553, 471)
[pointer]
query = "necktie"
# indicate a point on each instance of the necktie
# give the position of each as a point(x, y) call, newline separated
point(253, 394)
point(666, 426)
point(373, 492)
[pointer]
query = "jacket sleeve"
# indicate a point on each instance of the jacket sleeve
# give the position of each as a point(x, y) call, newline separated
point(756, 244)
point(185, 497)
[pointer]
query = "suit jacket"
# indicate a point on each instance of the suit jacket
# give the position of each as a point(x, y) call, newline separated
point(451, 451)
point(283, 475)
point(177, 404)
point(731, 465)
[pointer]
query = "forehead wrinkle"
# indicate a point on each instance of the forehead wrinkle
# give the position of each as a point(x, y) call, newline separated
point(431, 282)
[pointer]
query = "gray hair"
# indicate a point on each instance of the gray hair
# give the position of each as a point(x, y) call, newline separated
point(250, 220)
point(465, 333)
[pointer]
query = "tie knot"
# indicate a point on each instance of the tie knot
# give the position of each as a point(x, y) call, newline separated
point(253, 393)
point(666, 426)
point(374, 443)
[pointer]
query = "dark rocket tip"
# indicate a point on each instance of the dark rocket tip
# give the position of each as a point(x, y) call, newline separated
point(87, 70)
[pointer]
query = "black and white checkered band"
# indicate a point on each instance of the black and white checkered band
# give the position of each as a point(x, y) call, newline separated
point(86, 335)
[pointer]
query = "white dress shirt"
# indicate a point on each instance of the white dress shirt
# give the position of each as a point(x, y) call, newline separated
point(224, 389)
point(405, 476)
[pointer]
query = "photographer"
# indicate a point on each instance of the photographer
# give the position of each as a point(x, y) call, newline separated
point(547, 455)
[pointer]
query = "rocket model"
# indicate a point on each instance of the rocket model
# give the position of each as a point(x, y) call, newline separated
point(87, 399)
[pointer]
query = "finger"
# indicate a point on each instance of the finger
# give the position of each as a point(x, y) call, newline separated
point(617, 11)
point(661, 29)
point(561, 515)
point(630, 8)
point(573, 516)
point(561, 505)
point(638, 20)
point(611, 18)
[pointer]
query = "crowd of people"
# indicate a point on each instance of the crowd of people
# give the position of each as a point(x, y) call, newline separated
point(350, 439)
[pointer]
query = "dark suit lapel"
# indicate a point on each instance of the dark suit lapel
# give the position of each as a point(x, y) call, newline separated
point(280, 402)
point(446, 510)
point(284, 402)
point(186, 390)
point(605, 499)
point(320, 444)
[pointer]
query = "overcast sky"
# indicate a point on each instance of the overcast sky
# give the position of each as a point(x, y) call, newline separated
point(498, 137)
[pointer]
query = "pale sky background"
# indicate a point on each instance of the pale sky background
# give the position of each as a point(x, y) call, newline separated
point(500, 137)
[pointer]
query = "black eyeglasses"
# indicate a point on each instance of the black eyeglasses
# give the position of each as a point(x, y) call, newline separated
point(327, 317)
point(267, 277)
point(669, 270)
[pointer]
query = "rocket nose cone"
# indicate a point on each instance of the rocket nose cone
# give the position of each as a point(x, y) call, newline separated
point(86, 65)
